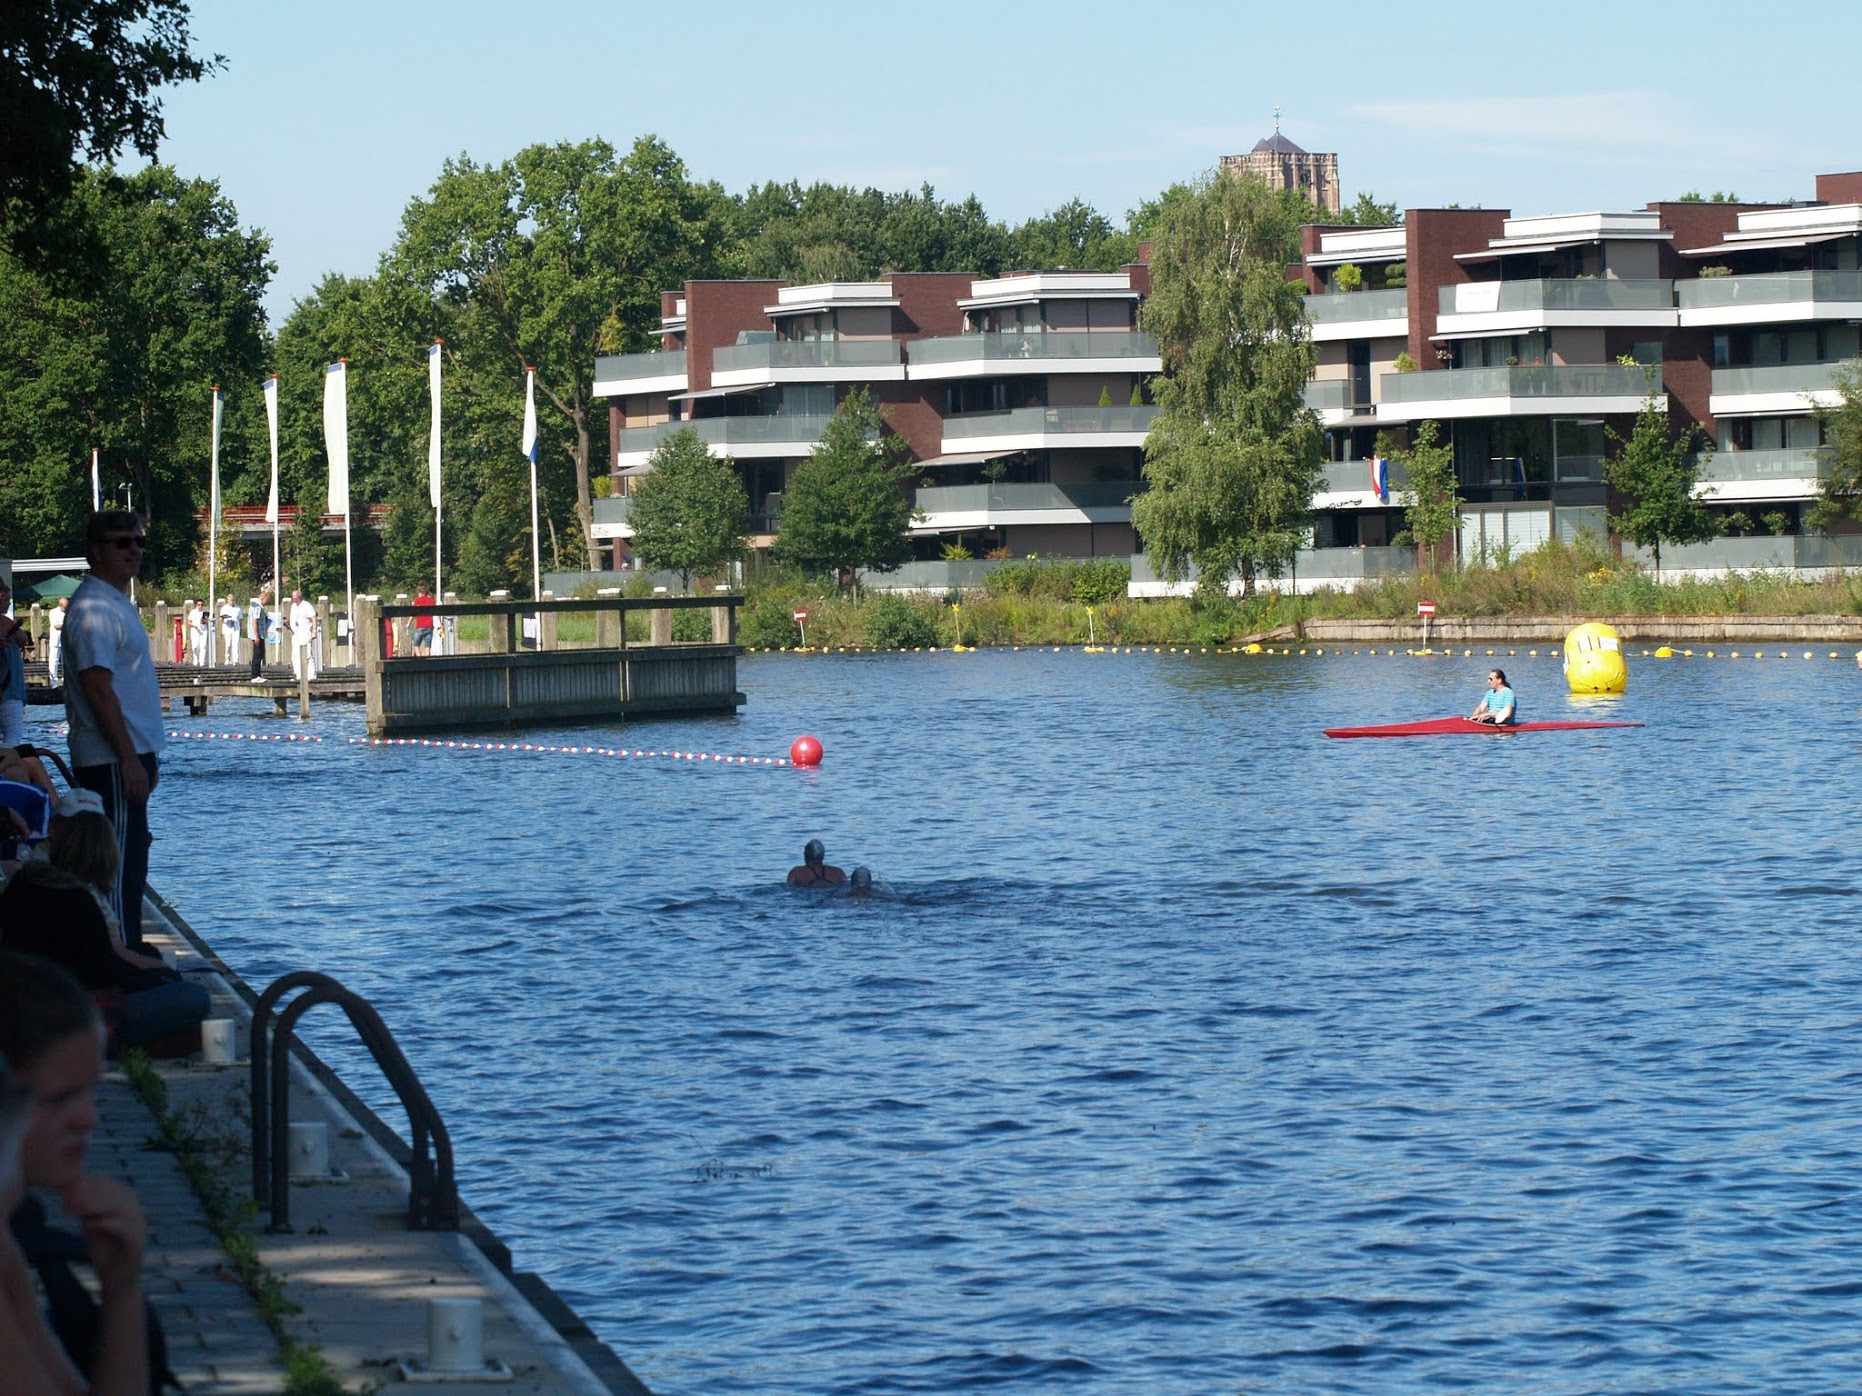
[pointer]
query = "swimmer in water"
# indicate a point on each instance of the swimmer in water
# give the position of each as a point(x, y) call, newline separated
point(860, 884)
point(815, 870)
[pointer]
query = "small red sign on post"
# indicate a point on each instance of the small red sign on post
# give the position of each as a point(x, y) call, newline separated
point(801, 615)
point(1425, 608)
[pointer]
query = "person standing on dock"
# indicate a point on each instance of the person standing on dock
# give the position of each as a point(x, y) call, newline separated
point(197, 635)
point(229, 631)
point(302, 619)
point(55, 641)
point(258, 623)
point(423, 625)
point(115, 707)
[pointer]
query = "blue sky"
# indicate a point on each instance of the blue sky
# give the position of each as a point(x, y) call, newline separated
point(330, 116)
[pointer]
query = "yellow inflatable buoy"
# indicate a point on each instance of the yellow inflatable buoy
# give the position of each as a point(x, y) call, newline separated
point(1251, 649)
point(1663, 652)
point(1594, 660)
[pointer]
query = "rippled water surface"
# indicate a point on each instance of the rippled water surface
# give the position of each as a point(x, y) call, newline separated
point(1188, 1052)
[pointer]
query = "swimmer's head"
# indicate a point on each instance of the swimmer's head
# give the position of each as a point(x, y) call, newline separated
point(861, 879)
point(814, 852)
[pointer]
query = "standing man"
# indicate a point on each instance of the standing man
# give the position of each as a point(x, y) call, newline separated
point(229, 630)
point(115, 705)
point(55, 642)
point(423, 625)
point(258, 624)
point(15, 640)
point(302, 619)
point(197, 633)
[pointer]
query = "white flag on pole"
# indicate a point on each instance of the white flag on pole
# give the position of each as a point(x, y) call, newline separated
point(433, 436)
point(530, 415)
point(271, 420)
point(96, 484)
point(530, 454)
point(336, 433)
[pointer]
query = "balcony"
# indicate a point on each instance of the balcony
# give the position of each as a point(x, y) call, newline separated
point(934, 576)
point(1519, 307)
point(1802, 551)
point(1054, 351)
point(807, 361)
point(1774, 298)
point(1730, 477)
point(948, 507)
point(1358, 315)
point(1346, 484)
point(619, 374)
point(1537, 390)
point(1045, 428)
point(746, 438)
point(611, 517)
point(1790, 389)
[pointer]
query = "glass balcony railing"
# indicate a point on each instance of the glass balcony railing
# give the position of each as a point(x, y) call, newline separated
point(1524, 381)
point(1351, 307)
point(1727, 467)
point(727, 432)
point(1775, 378)
point(1489, 297)
point(624, 368)
point(613, 510)
point(1010, 349)
point(1790, 550)
point(1329, 395)
point(1771, 288)
point(812, 353)
point(1050, 421)
point(1338, 476)
point(1012, 499)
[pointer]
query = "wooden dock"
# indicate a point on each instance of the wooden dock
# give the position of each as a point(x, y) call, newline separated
point(531, 677)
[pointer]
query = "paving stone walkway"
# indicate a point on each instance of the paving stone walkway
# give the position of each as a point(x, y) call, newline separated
point(361, 1279)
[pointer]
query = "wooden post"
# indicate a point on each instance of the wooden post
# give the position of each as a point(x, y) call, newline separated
point(503, 627)
point(303, 690)
point(546, 625)
point(162, 642)
point(659, 621)
point(446, 628)
point(365, 643)
point(610, 633)
point(723, 621)
point(402, 628)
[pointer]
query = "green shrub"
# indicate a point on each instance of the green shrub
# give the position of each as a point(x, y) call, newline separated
point(691, 627)
point(1099, 581)
point(896, 623)
point(768, 623)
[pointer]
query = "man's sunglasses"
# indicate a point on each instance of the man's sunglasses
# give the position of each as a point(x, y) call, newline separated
point(133, 540)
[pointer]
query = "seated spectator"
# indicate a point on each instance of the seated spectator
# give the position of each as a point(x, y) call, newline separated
point(55, 910)
point(51, 1043)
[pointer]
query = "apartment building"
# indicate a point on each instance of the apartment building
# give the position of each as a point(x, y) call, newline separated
point(1020, 398)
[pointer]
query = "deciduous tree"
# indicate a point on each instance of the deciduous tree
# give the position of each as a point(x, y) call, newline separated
point(1840, 456)
point(1432, 499)
point(1234, 454)
point(1654, 471)
point(847, 506)
point(689, 511)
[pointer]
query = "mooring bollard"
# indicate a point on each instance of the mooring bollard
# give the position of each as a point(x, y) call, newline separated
point(216, 1042)
point(455, 1335)
point(309, 1147)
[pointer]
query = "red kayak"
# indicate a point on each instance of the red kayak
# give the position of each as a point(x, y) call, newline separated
point(1454, 726)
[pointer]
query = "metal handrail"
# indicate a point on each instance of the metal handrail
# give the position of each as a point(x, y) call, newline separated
point(433, 1193)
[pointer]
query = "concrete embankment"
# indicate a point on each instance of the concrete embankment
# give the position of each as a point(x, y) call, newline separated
point(359, 1278)
point(1507, 630)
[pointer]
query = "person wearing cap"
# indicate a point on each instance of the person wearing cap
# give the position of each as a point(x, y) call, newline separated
point(815, 870)
point(114, 710)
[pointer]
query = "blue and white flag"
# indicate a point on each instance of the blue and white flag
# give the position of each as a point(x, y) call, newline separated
point(271, 421)
point(433, 434)
point(213, 490)
point(530, 415)
point(336, 433)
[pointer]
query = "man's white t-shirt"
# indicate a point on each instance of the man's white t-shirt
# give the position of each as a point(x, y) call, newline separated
point(103, 631)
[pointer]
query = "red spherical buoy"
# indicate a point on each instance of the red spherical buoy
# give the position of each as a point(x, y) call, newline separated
point(805, 751)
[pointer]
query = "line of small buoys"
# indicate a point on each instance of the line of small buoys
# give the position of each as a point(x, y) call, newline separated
point(1660, 652)
point(241, 737)
point(548, 750)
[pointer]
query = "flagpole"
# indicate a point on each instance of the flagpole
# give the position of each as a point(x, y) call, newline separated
point(96, 483)
point(433, 459)
point(530, 450)
point(336, 442)
point(213, 527)
point(271, 503)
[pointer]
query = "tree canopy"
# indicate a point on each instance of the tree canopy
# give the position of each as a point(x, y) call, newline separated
point(1840, 456)
point(1234, 454)
point(1432, 499)
point(847, 506)
point(80, 79)
point(688, 511)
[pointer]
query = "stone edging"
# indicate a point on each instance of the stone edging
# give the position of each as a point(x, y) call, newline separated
point(1825, 629)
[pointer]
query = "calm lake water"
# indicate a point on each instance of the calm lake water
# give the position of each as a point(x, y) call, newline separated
point(1189, 1051)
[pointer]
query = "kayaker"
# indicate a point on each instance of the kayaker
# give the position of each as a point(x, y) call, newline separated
point(815, 870)
point(1497, 703)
